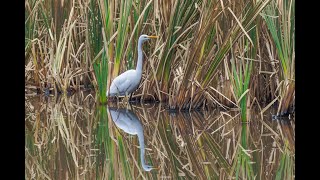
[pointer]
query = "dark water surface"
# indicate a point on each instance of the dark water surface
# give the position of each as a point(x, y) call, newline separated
point(73, 138)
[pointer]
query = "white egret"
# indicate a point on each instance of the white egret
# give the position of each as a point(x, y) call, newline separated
point(129, 81)
point(129, 122)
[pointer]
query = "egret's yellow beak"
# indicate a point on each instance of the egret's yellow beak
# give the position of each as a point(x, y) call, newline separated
point(154, 37)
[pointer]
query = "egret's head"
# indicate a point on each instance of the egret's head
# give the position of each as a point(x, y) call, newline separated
point(145, 37)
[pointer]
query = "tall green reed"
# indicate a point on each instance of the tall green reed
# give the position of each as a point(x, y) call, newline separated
point(122, 30)
point(98, 50)
point(141, 14)
point(101, 71)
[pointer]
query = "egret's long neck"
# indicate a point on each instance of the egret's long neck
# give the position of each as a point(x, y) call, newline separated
point(140, 57)
point(141, 144)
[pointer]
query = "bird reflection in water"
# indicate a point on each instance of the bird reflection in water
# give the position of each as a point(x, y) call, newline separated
point(126, 120)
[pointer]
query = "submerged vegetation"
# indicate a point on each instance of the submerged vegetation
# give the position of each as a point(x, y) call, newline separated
point(209, 53)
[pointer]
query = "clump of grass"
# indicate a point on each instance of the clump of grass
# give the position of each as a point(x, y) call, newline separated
point(241, 69)
point(52, 56)
point(241, 78)
point(214, 58)
point(178, 17)
point(279, 17)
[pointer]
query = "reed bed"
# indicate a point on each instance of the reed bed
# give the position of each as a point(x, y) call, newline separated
point(210, 53)
point(69, 138)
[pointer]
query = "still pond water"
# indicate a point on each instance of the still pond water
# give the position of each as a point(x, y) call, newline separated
point(73, 138)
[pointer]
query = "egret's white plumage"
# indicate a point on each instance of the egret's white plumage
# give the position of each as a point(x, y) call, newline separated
point(129, 122)
point(126, 82)
point(129, 81)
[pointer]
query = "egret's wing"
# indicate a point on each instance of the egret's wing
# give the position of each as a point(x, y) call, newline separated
point(123, 81)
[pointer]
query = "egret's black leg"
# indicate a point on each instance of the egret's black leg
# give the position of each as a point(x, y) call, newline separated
point(130, 99)
point(117, 96)
point(130, 106)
